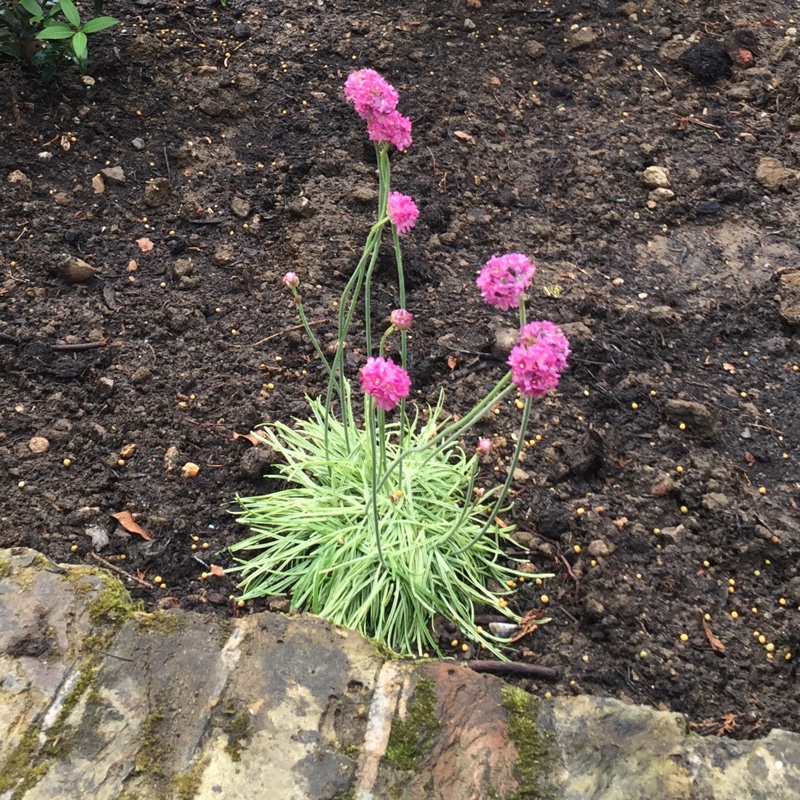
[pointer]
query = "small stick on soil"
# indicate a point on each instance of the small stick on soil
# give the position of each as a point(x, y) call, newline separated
point(7, 337)
point(287, 330)
point(701, 124)
point(78, 346)
point(513, 668)
point(569, 570)
point(113, 568)
point(663, 79)
point(166, 162)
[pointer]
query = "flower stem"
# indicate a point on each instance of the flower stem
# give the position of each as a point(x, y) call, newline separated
point(523, 427)
point(451, 432)
point(369, 415)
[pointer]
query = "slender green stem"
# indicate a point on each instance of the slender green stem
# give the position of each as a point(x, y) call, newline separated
point(453, 431)
point(523, 427)
point(401, 290)
point(368, 298)
point(382, 437)
point(314, 341)
point(369, 414)
point(347, 307)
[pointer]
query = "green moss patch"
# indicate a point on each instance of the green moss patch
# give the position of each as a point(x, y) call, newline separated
point(415, 735)
point(157, 622)
point(30, 760)
point(535, 750)
point(239, 727)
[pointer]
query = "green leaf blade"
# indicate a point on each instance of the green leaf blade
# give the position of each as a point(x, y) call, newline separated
point(79, 45)
point(56, 31)
point(32, 7)
point(99, 24)
point(71, 13)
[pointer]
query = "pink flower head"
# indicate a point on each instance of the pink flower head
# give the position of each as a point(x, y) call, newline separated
point(485, 446)
point(401, 319)
point(539, 359)
point(387, 383)
point(392, 127)
point(370, 93)
point(504, 279)
point(290, 279)
point(546, 333)
point(403, 211)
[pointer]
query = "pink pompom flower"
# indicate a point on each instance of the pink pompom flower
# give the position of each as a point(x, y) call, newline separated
point(392, 127)
point(504, 279)
point(290, 279)
point(385, 381)
point(538, 361)
point(547, 334)
point(401, 319)
point(403, 211)
point(370, 93)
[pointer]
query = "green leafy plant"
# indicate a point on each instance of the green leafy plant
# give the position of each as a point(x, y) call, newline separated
point(44, 36)
point(381, 527)
point(314, 541)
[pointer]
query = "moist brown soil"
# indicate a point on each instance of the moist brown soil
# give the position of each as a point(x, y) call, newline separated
point(681, 400)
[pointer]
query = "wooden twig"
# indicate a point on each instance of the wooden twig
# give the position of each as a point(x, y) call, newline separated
point(569, 569)
point(513, 668)
point(78, 346)
point(113, 568)
point(287, 330)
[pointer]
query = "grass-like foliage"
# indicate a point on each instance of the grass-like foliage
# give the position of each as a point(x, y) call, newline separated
point(314, 540)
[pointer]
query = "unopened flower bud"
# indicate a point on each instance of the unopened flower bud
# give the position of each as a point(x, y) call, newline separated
point(291, 280)
point(485, 446)
point(401, 319)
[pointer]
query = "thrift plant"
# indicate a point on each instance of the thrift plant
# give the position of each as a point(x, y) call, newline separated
point(381, 527)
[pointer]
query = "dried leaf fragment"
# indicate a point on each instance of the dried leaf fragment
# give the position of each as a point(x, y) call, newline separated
point(662, 487)
point(528, 624)
point(76, 270)
point(749, 458)
point(127, 450)
point(729, 368)
point(98, 185)
point(452, 362)
point(125, 518)
point(145, 245)
point(251, 437)
point(715, 643)
point(464, 136)
point(728, 723)
point(217, 570)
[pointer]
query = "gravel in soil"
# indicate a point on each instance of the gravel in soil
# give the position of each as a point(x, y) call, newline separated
point(646, 155)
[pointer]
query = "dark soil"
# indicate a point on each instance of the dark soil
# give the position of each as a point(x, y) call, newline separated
point(681, 401)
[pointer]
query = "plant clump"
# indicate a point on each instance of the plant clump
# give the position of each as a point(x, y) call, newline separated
point(381, 527)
